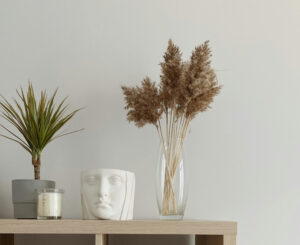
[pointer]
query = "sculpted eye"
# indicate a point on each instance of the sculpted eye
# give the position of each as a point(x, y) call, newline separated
point(115, 180)
point(91, 180)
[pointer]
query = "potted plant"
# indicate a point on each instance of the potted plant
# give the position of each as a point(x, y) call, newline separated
point(36, 124)
point(186, 88)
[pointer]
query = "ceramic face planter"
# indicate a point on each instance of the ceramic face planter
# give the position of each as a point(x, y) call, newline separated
point(107, 194)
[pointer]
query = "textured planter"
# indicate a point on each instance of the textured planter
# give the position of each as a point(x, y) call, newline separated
point(24, 196)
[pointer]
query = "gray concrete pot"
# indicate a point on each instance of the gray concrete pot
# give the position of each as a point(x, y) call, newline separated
point(24, 196)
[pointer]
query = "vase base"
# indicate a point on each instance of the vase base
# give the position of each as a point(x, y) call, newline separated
point(171, 217)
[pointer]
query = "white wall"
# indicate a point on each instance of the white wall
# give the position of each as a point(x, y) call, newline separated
point(244, 153)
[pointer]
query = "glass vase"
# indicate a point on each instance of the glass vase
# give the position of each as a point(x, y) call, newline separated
point(171, 181)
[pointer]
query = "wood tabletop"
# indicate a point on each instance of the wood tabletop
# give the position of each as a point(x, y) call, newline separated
point(69, 226)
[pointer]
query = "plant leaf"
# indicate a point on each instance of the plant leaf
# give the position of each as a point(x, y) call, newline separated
point(37, 122)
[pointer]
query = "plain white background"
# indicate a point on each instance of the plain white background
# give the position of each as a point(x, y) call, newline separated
point(243, 154)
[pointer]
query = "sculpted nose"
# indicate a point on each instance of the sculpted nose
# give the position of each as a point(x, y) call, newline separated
point(102, 194)
point(103, 190)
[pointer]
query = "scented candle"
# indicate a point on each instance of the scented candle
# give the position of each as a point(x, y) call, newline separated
point(49, 204)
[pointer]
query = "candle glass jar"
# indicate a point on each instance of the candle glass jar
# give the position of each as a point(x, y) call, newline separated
point(49, 204)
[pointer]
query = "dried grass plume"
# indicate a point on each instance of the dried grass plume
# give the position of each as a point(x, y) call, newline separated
point(186, 88)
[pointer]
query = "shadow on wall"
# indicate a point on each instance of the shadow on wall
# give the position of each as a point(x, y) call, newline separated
point(113, 240)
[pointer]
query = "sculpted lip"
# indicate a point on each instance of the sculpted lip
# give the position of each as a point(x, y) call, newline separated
point(101, 204)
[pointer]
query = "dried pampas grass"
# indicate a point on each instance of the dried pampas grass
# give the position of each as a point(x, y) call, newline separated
point(186, 88)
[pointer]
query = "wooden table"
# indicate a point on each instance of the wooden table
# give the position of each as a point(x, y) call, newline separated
point(206, 232)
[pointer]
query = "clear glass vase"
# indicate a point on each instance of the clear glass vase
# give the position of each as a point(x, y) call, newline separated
point(171, 181)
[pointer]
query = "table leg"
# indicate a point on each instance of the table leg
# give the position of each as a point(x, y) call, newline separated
point(7, 239)
point(215, 240)
point(101, 239)
point(229, 239)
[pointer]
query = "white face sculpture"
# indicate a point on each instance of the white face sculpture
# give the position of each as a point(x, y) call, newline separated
point(107, 194)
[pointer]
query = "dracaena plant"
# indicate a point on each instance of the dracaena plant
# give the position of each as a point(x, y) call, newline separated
point(36, 123)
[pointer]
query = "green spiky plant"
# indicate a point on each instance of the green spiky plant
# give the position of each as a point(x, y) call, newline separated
point(38, 124)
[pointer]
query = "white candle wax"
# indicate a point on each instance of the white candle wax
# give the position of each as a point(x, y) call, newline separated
point(49, 204)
